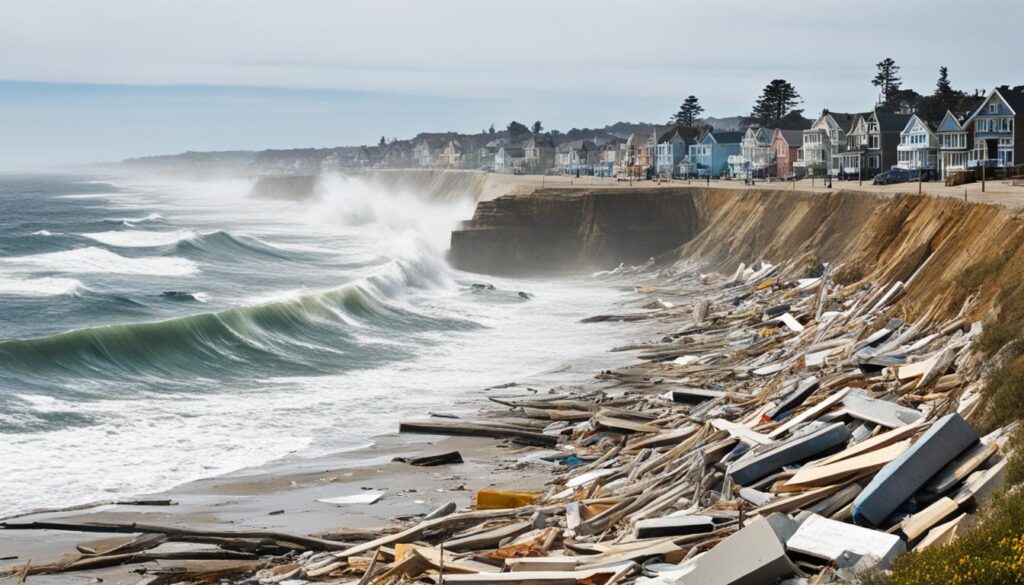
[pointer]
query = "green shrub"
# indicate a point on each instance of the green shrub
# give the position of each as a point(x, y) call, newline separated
point(989, 553)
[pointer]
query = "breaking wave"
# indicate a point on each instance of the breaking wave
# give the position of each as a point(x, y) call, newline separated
point(93, 260)
point(39, 287)
point(306, 333)
point(141, 238)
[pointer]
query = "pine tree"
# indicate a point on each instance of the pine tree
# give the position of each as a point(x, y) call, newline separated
point(491, 129)
point(688, 112)
point(383, 141)
point(778, 99)
point(943, 89)
point(537, 128)
point(888, 81)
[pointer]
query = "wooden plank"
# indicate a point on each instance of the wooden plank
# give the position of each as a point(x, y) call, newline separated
point(619, 424)
point(818, 475)
point(478, 430)
point(810, 413)
point(917, 524)
point(872, 443)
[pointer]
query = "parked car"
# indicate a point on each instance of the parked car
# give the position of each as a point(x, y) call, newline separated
point(894, 176)
point(904, 175)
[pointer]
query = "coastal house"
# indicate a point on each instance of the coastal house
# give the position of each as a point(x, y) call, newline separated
point(609, 158)
point(823, 141)
point(577, 157)
point(709, 157)
point(397, 155)
point(640, 152)
point(755, 154)
point(485, 154)
point(672, 149)
point(870, 146)
point(427, 148)
point(996, 142)
point(509, 159)
point(538, 154)
point(919, 144)
point(785, 146)
point(450, 157)
point(367, 157)
point(956, 139)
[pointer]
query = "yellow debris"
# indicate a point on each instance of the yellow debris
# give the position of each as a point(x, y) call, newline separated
point(495, 500)
point(765, 284)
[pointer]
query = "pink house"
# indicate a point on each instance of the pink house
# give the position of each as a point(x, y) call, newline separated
point(785, 146)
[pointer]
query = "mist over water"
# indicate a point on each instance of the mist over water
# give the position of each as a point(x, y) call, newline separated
point(153, 332)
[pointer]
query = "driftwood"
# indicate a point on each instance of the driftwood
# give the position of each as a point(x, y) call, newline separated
point(478, 430)
point(308, 542)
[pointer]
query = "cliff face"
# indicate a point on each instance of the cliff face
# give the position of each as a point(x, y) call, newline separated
point(566, 229)
point(924, 242)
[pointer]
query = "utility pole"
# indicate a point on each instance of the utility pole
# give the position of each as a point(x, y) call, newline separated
point(983, 176)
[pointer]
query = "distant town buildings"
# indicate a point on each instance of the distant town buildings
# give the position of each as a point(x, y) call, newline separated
point(851, 146)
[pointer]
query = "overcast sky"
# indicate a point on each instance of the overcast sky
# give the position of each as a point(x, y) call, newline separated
point(86, 80)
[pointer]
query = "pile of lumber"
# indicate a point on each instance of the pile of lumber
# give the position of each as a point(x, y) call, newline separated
point(779, 428)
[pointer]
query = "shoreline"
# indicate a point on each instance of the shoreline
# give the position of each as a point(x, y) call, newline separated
point(282, 494)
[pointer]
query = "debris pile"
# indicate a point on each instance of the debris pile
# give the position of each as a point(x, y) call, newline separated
point(786, 429)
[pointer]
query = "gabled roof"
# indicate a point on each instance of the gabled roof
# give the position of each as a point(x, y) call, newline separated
point(513, 151)
point(792, 137)
point(727, 137)
point(1013, 96)
point(671, 135)
point(954, 121)
point(914, 120)
point(891, 122)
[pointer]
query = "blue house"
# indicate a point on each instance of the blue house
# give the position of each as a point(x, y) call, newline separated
point(996, 141)
point(710, 156)
point(672, 147)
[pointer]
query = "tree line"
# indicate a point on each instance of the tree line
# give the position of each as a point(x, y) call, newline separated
point(777, 106)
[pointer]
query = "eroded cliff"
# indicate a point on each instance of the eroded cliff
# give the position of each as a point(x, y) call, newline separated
point(924, 242)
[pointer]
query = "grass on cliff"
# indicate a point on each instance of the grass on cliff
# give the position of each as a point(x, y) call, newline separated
point(989, 553)
point(992, 551)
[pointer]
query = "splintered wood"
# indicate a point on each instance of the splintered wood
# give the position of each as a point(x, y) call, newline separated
point(772, 413)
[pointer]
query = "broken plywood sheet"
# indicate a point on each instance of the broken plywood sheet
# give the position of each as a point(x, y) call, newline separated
point(828, 539)
point(882, 412)
point(753, 556)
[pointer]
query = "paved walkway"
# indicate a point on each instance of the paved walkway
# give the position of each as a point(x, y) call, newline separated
point(1000, 192)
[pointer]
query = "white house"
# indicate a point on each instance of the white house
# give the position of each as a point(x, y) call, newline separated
point(918, 147)
point(755, 153)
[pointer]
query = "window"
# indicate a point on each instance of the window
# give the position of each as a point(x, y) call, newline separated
point(873, 142)
point(873, 162)
point(993, 108)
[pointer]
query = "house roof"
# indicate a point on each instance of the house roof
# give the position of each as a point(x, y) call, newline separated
point(513, 151)
point(793, 137)
point(727, 137)
point(892, 122)
point(1014, 97)
point(669, 135)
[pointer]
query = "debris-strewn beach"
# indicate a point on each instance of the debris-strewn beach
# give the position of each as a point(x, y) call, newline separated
point(780, 424)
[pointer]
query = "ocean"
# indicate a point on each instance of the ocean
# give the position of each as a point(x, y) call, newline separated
point(156, 331)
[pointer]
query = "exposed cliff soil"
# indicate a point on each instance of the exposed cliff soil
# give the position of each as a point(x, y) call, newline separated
point(559, 229)
point(924, 242)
